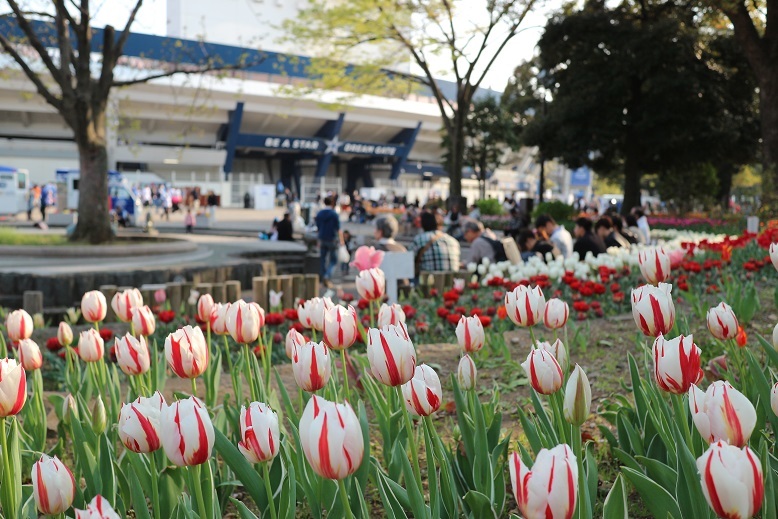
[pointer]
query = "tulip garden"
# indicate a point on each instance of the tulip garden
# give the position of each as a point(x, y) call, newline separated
point(338, 408)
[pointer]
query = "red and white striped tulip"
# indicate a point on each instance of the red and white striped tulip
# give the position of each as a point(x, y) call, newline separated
point(550, 489)
point(243, 322)
point(293, 339)
point(371, 284)
point(340, 327)
point(311, 366)
point(391, 354)
point(331, 436)
point(132, 355)
point(187, 352)
point(654, 264)
point(259, 433)
point(676, 364)
point(98, 508)
point(19, 325)
point(64, 334)
point(732, 480)
point(423, 392)
point(260, 312)
point(722, 413)
point(304, 314)
point(525, 305)
point(722, 322)
point(139, 423)
point(470, 334)
point(30, 355)
point(186, 432)
point(53, 485)
point(318, 308)
point(653, 309)
point(774, 254)
point(143, 321)
point(123, 303)
point(467, 374)
point(91, 346)
point(204, 307)
point(93, 306)
point(13, 387)
point(558, 350)
point(390, 314)
point(218, 318)
point(555, 313)
point(774, 398)
point(545, 374)
point(578, 397)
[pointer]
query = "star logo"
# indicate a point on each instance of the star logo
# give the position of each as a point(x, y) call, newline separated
point(332, 146)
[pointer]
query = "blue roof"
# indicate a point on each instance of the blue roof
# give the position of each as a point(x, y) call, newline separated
point(8, 169)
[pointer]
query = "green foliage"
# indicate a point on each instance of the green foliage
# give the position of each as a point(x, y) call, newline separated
point(559, 211)
point(690, 189)
point(489, 206)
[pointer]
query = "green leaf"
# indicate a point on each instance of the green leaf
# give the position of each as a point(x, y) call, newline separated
point(243, 510)
point(658, 500)
point(480, 505)
point(615, 506)
point(393, 508)
point(659, 472)
point(242, 469)
point(416, 498)
point(139, 500)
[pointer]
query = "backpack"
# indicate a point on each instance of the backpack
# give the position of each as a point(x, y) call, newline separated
point(498, 248)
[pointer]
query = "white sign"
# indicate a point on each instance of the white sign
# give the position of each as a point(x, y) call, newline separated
point(396, 266)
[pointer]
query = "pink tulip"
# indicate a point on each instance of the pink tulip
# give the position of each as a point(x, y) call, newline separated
point(340, 327)
point(555, 314)
point(13, 387)
point(123, 303)
point(143, 321)
point(423, 392)
point(676, 364)
point(19, 325)
point(732, 480)
point(311, 366)
point(243, 322)
point(259, 433)
point(204, 307)
point(53, 485)
point(722, 413)
point(545, 374)
point(366, 258)
point(550, 489)
point(218, 318)
point(186, 432)
point(390, 314)
point(331, 436)
point(371, 284)
point(132, 355)
point(139, 423)
point(293, 339)
point(30, 355)
point(470, 334)
point(160, 296)
point(391, 354)
point(98, 508)
point(64, 334)
point(525, 305)
point(187, 352)
point(90, 345)
point(467, 374)
point(653, 309)
point(722, 322)
point(93, 306)
point(654, 265)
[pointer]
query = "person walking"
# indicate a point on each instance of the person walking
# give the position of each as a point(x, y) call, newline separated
point(330, 238)
point(189, 221)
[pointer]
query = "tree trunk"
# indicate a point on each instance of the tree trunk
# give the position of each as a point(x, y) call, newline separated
point(632, 176)
point(542, 181)
point(94, 223)
point(457, 138)
point(768, 109)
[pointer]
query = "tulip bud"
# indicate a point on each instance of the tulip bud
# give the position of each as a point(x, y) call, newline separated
point(243, 322)
point(390, 314)
point(293, 339)
point(187, 352)
point(73, 315)
point(558, 350)
point(654, 265)
point(259, 433)
point(470, 334)
point(525, 305)
point(722, 322)
point(676, 364)
point(544, 372)
point(143, 321)
point(371, 284)
point(555, 313)
point(64, 334)
point(194, 296)
point(186, 432)
point(550, 488)
point(311, 366)
point(732, 480)
point(69, 407)
point(19, 325)
point(160, 296)
point(53, 485)
point(204, 307)
point(467, 374)
point(423, 392)
point(98, 508)
point(98, 416)
point(722, 413)
point(578, 397)
point(30, 355)
point(774, 254)
point(391, 354)
point(275, 299)
point(139, 423)
point(219, 318)
point(317, 309)
point(774, 399)
point(90, 345)
point(38, 321)
point(13, 387)
point(340, 327)
point(123, 303)
point(653, 309)
point(132, 355)
point(331, 437)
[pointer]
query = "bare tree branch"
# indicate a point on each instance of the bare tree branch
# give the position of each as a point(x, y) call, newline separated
point(31, 74)
point(168, 73)
point(63, 39)
point(126, 32)
point(35, 42)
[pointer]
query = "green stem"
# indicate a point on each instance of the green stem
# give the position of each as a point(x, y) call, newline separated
point(3, 347)
point(194, 386)
point(248, 374)
point(372, 314)
point(270, 502)
point(313, 334)
point(345, 372)
point(8, 480)
point(557, 408)
point(411, 440)
point(344, 499)
point(194, 473)
point(575, 433)
point(682, 417)
point(266, 352)
point(97, 326)
point(532, 336)
point(155, 504)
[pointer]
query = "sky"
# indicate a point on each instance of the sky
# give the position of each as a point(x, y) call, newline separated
point(152, 19)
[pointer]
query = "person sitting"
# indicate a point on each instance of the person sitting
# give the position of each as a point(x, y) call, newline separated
point(604, 229)
point(386, 228)
point(284, 228)
point(530, 245)
point(557, 235)
point(586, 240)
point(481, 242)
point(642, 222)
point(632, 227)
point(618, 225)
point(435, 251)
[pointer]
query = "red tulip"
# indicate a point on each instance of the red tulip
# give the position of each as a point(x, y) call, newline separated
point(550, 489)
point(390, 314)
point(187, 352)
point(676, 364)
point(143, 321)
point(653, 309)
point(19, 326)
point(259, 433)
point(423, 392)
point(654, 265)
point(331, 437)
point(123, 303)
point(244, 322)
point(470, 334)
point(391, 354)
point(204, 307)
point(722, 322)
point(722, 413)
point(371, 284)
point(186, 432)
point(340, 327)
point(732, 480)
point(30, 355)
point(139, 425)
point(132, 355)
point(218, 318)
point(544, 372)
point(311, 366)
point(13, 387)
point(98, 508)
point(525, 305)
point(93, 306)
point(53, 485)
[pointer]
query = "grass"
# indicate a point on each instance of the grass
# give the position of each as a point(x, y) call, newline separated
point(13, 237)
